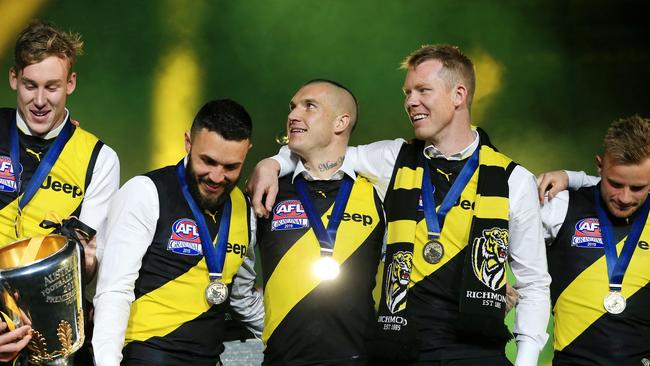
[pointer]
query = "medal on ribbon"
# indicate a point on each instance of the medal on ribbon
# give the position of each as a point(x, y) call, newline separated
point(326, 267)
point(43, 169)
point(215, 255)
point(614, 301)
point(433, 251)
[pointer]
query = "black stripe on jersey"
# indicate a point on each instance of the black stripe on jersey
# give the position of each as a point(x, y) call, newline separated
point(628, 337)
point(184, 342)
point(565, 262)
point(494, 190)
point(437, 334)
point(271, 258)
point(311, 332)
point(93, 161)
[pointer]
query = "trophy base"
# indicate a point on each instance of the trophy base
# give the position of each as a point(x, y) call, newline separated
point(63, 361)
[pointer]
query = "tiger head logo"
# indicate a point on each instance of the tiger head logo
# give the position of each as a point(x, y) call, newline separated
point(399, 275)
point(489, 254)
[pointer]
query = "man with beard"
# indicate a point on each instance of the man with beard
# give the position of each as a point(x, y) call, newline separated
point(321, 247)
point(599, 256)
point(179, 252)
point(459, 210)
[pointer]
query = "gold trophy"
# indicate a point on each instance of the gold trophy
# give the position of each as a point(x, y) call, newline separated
point(40, 278)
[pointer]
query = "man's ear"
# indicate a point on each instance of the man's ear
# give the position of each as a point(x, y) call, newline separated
point(342, 123)
point(599, 164)
point(188, 142)
point(460, 95)
point(13, 79)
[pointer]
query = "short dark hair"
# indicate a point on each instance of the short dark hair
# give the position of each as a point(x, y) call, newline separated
point(226, 117)
point(40, 40)
point(339, 85)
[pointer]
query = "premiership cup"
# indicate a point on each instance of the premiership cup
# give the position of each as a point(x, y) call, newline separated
point(47, 291)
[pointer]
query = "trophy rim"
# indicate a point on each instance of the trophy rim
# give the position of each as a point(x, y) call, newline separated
point(15, 243)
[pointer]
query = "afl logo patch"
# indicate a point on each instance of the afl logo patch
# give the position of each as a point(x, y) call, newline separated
point(587, 234)
point(289, 215)
point(7, 176)
point(185, 238)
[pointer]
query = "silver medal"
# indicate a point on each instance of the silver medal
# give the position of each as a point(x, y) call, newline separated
point(433, 251)
point(614, 302)
point(216, 292)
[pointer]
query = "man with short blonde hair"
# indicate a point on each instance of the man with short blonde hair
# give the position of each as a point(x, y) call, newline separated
point(47, 164)
point(599, 256)
point(444, 288)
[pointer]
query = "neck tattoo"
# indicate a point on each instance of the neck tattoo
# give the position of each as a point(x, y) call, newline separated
point(325, 166)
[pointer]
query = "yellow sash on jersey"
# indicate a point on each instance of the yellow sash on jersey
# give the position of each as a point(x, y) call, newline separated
point(161, 311)
point(64, 192)
point(456, 230)
point(581, 303)
point(293, 278)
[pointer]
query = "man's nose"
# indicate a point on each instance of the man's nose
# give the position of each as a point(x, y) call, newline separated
point(40, 100)
point(217, 175)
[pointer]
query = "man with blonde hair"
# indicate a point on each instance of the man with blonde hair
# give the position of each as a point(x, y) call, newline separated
point(599, 255)
point(443, 299)
point(47, 164)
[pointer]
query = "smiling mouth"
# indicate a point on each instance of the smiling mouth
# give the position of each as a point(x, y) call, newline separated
point(297, 130)
point(418, 117)
point(211, 187)
point(39, 113)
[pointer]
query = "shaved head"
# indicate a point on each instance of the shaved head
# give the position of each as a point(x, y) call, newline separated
point(341, 99)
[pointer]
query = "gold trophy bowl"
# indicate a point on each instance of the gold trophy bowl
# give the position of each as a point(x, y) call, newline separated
point(42, 282)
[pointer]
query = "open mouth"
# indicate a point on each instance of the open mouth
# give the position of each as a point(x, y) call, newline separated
point(211, 187)
point(297, 130)
point(418, 117)
point(39, 114)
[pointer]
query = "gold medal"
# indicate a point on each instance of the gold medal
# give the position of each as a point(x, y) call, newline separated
point(433, 251)
point(614, 302)
point(216, 292)
point(326, 268)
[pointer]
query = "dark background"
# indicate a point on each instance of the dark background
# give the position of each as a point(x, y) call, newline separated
point(551, 75)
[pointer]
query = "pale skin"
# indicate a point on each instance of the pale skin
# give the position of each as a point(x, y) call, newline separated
point(318, 126)
point(439, 114)
point(321, 117)
point(624, 187)
point(42, 90)
point(12, 342)
point(551, 183)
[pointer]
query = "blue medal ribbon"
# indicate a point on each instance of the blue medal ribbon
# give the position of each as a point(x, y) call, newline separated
point(326, 237)
point(215, 255)
point(44, 167)
point(617, 265)
point(435, 219)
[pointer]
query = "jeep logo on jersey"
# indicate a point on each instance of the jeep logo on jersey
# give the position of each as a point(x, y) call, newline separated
point(464, 204)
point(587, 234)
point(289, 215)
point(239, 249)
point(7, 177)
point(185, 238)
point(57, 186)
point(356, 217)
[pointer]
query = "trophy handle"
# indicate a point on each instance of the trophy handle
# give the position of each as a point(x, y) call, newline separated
point(70, 228)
